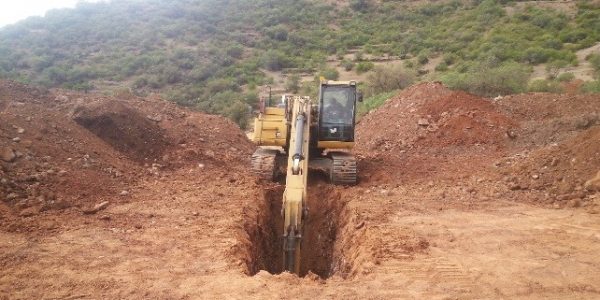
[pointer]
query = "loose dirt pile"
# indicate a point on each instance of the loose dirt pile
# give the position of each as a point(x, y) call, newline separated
point(546, 118)
point(430, 116)
point(541, 147)
point(560, 170)
point(64, 149)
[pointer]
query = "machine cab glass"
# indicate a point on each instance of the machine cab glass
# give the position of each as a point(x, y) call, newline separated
point(337, 113)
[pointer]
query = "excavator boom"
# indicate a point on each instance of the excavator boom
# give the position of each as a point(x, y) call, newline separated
point(294, 197)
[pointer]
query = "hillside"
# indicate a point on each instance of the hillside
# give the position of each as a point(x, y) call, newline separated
point(220, 55)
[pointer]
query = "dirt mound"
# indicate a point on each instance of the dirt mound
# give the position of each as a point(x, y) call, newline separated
point(62, 149)
point(550, 118)
point(561, 169)
point(12, 93)
point(429, 115)
point(124, 128)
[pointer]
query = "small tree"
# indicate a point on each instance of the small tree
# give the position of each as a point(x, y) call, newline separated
point(293, 84)
point(330, 73)
point(553, 68)
point(239, 113)
point(360, 5)
point(389, 78)
point(364, 66)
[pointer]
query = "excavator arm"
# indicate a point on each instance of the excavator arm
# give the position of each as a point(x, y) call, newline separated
point(294, 207)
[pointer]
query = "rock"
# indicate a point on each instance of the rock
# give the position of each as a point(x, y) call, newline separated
point(62, 98)
point(104, 218)
point(515, 187)
point(20, 131)
point(359, 225)
point(29, 212)
point(55, 205)
point(511, 134)
point(124, 193)
point(16, 140)
point(155, 118)
point(593, 184)
point(423, 122)
point(201, 166)
point(12, 196)
point(8, 155)
point(535, 176)
point(96, 208)
point(574, 203)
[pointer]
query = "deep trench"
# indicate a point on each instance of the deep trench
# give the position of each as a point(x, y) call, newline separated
point(321, 230)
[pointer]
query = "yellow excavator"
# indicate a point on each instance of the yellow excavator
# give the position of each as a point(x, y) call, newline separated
point(299, 134)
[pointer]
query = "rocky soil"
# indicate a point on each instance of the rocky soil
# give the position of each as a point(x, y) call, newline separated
point(460, 197)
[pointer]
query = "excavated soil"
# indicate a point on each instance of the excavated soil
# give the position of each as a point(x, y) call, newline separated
point(460, 197)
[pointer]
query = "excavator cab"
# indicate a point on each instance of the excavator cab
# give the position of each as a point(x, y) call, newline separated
point(337, 111)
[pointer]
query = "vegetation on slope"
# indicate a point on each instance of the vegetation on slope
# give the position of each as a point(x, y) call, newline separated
point(213, 54)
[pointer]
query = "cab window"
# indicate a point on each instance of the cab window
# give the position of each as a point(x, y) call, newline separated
point(338, 105)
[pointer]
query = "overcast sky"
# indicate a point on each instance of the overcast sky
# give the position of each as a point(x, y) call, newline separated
point(12, 11)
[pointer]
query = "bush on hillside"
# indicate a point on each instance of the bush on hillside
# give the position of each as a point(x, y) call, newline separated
point(292, 84)
point(389, 78)
point(347, 65)
point(239, 113)
point(565, 77)
point(330, 74)
point(591, 87)
point(364, 66)
point(487, 80)
point(544, 85)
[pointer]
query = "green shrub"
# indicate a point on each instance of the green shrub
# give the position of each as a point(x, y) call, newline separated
point(488, 80)
point(591, 87)
point(358, 56)
point(330, 73)
point(360, 5)
point(292, 84)
point(239, 113)
point(389, 78)
point(235, 51)
point(594, 60)
point(543, 85)
point(347, 65)
point(422, 59)
point(536, 55)
point(441, 67)
point(373, 102)
point(450, 59)
point(275, 60)
point(553, 68)
point(565, 77)
point(364, 66)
